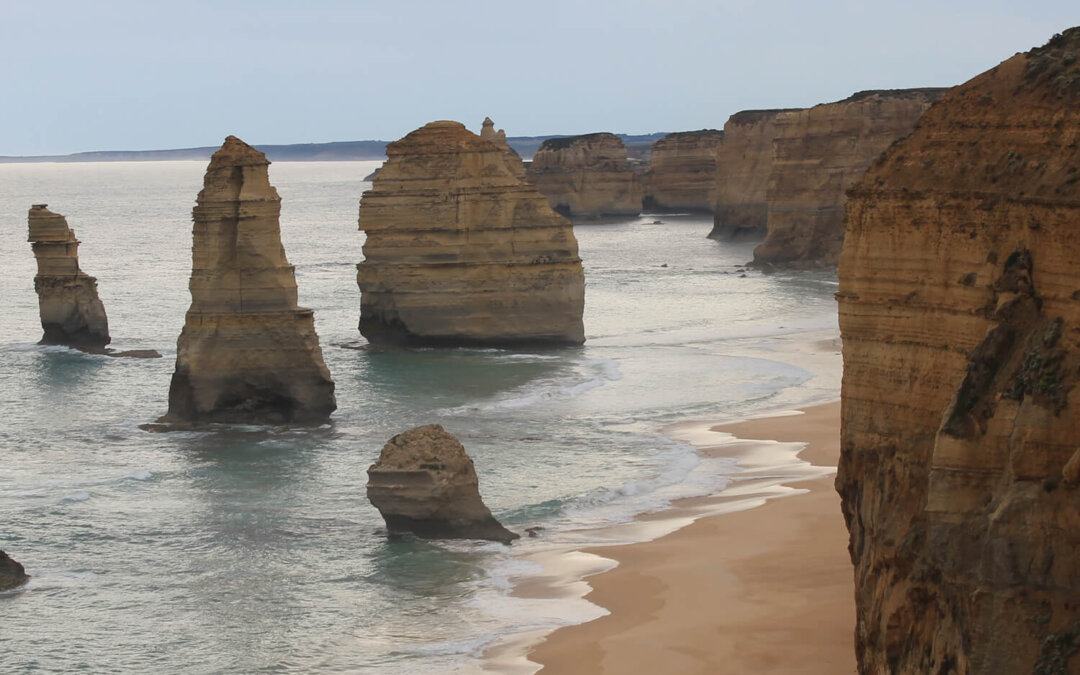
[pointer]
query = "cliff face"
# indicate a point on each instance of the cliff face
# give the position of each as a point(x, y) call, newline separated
point(682, 172)
point(960, 314)
point(71, 312)
point(587, 176)
point(818, 154)
point(744, 161)
point(247, 353)
point(460, 250)
point(513, 160)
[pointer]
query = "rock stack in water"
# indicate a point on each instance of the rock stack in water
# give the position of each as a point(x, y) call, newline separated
point(818, 154)
point(12, 574)
point(71, 312)
point(587, 176)
point(960, 314)
point(425, 484)
point(513, 160)
point(247, 353)
point(682, 172)
point(462, 251)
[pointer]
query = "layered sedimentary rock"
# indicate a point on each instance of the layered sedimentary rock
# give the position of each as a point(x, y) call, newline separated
point(587, 176)
point(682, 172)
point(461, 251)
point(818, 154)
point(744, 161)
point(12, 574)
point(425, 484)
point(960, 314)
point(513, 160)
point(247, 353)
point(71, 312)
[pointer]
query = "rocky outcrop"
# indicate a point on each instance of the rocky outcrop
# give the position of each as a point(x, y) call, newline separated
point(682, 172)
point(587, 176)
point(818, 154)
point(247, 353)
point(744, 162)
point(461, 251)
point(425, 484)
point(960, 313)
point(513, 160)
point(71, 312)
point(12, 574)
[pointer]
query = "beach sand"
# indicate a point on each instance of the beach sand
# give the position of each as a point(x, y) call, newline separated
point(758, 590)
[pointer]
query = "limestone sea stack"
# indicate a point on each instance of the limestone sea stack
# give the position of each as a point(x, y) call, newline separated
point(682, 172)
point(960, 314)
point(513, 160)
point(744, 162)
point(461, 251)
point(587, 176)
point(425, 484)
point(819, 153)
point(12, 574)
point(71, 312)
point(247, 353)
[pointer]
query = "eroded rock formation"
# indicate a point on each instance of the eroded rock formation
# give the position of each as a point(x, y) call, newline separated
point(71, 312)
point(425, 484)
point(587, 176)
point(513, 160)
point(682, 172)
point(744, 161)
point(960, 314)
point(818, 154)
point(461, 251)
point(247, 353)
point(12, 574)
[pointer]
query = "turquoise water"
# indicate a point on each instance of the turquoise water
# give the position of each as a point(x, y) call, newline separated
point(254, 549)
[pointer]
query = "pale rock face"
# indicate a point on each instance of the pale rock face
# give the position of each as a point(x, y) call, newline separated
point(959, 287)
point(71, 312)
point(744, 163)
point(425, 484)
point(461, 251)
point(587, 176)
point(682, 172)
point(818, 154)
point(247, 353)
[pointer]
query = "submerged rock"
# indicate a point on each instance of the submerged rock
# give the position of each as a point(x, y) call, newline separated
point(12, 574)
point(958, 306)
point(587, 176)
point(425, 484)
point(460, 250)
point(71, 312)
point(247, 353)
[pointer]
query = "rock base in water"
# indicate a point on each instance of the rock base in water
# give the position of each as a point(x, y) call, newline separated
point(425, 484)
point(12, 574)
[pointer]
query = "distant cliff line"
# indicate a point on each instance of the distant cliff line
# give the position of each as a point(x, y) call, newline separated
point(638, 146)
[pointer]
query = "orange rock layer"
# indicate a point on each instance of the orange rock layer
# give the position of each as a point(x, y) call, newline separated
point(682, 172)
point(960, 314)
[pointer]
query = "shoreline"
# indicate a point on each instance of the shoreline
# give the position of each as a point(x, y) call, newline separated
point(679, 600)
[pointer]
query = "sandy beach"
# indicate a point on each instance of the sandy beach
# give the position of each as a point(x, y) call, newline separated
point(753, 590)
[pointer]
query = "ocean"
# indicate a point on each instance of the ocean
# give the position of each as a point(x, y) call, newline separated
point(254, 549)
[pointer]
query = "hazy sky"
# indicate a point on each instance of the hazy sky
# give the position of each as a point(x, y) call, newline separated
point(149, 74)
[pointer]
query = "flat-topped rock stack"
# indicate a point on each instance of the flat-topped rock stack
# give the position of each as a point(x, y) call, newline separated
point(72, 314)
point(587, 176)
point(682, 172)
point(247, 353)
point(960, 314)
point(818, 154)
point(461, 251)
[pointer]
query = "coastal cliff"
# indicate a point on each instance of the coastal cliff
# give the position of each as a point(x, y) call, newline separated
point(587, 176)
point(460, 250)
point(682, 172)
point(744, 161)
point(960, 313)
point(818, 154)
point(71, 312)
point(513, 160)
point(247, 353)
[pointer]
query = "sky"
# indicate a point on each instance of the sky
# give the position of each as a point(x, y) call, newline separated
point(154, 74)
